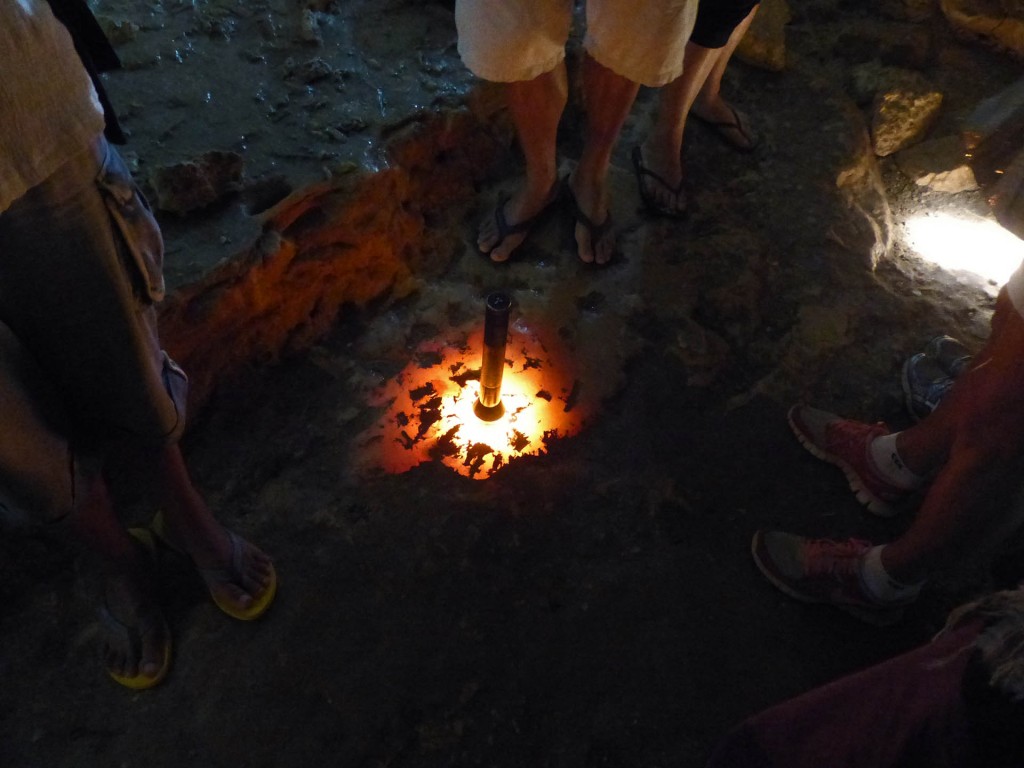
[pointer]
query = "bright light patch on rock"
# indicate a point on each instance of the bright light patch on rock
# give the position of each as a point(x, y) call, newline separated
point(966, 243)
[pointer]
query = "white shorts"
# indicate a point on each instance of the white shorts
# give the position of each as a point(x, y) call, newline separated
point(513, 40)
point(1015, 289)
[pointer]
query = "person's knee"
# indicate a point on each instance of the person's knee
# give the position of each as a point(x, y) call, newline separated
point(989, 449)
point(34, 500)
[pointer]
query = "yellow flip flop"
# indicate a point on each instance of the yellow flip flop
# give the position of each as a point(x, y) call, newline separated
point(231, 574)
point(131, 635)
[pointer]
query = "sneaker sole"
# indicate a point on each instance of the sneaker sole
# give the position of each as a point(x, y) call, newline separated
point(874, 504)
point(878, 617)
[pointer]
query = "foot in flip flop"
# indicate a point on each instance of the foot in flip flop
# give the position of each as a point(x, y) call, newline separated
point(246, 584)
point(240, 577)
point(136, 651)
point(135, 641)
point(595, 242)
point(498, 238)
point(729, 124)
point(657, 194)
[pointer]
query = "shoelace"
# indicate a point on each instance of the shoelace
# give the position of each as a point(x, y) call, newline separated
point(852, 434)
point(825, 557)
point(856, 436)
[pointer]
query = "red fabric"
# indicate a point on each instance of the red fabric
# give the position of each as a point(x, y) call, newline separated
point(907, 712)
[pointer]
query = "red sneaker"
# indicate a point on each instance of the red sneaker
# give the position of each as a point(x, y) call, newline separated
point(846, 443)
point(822, 571)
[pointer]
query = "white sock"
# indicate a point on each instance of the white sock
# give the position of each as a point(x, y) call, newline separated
point(879, 584)
point(890, 465)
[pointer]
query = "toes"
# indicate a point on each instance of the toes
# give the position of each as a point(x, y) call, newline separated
point(508, 225)
point(153, 644)
point(583, 245)
point(673, 203)
point(664, 197)
point(235, 595)
point(487, 235)
point(252, 579)
point(592, 251)
point(134, 638)
point(661, 197)
point(507, 246)
point(145, 658)
point(256, 578)
point(118, 662)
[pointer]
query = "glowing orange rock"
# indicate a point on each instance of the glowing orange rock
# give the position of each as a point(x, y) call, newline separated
point(428, 412)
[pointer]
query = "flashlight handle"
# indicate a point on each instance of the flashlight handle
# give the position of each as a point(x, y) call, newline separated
point(490, 375)
point(495, 339)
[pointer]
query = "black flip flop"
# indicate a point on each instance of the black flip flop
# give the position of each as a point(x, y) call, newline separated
point(649, 201)
point(526, 225)
point(726, 130)
point(597, 232)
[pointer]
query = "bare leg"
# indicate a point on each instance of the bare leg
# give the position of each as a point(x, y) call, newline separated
point(192, 526)
point(979, 426)
point(127, 591)
point(662, 152)
point(607, 98)
point(536, 107)
point(709, 103)
point(698, 88)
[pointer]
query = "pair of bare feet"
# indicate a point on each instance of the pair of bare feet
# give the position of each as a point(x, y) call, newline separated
point(136, 641)
point(515, 217)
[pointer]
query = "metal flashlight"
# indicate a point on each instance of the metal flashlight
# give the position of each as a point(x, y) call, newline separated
point(488, 406)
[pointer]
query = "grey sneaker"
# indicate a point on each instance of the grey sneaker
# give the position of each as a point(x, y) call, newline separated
point(949, 354)
point(924, 384)
point(822, 571)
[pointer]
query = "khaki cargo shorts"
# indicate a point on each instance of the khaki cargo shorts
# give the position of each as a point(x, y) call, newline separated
point(81, 366)
point(514, 40)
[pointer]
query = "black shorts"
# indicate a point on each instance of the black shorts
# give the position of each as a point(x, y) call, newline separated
point(716, 19)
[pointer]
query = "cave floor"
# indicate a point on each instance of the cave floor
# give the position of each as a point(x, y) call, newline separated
point(595, 604)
